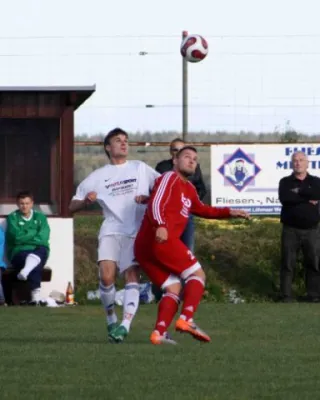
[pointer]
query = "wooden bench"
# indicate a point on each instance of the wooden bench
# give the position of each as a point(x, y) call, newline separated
point(16, 291)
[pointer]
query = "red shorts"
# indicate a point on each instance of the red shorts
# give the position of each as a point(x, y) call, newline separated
point(164, 262)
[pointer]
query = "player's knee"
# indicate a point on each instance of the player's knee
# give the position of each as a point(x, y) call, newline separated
point(172, 285)
point(200, 274)
point(175, 288)
point(107, 272)
point(131, 275)
point(107, 280)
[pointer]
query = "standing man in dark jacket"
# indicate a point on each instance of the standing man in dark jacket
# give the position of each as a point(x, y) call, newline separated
point(196, 179)
point(299, 195)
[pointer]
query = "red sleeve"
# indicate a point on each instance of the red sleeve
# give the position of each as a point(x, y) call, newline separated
point(205, 211)
point(160, 198)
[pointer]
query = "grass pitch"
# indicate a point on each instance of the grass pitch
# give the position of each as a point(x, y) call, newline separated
point(258, 351)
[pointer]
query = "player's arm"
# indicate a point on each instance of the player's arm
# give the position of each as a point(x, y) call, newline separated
point(209, 212)
point(160, 199)
point(83, 197)
point(78, 205)
point(142, 199)
point(150, 175)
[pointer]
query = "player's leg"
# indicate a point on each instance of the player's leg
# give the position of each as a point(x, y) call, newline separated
point(167, 309)
point(130, 304)
point(193, 292)
point(168, 306)
point(107, 276)
point(107, 260)
point(131, 276)
point(128, 267)
point(181, 262)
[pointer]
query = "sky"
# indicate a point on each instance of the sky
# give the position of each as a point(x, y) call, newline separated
point(261, 73)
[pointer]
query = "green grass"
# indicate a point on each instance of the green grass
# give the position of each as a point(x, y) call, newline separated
point(258, 351)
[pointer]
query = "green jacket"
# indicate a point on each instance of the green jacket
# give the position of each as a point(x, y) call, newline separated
point(22, 234)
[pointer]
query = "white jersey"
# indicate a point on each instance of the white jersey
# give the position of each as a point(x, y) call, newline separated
point(116, 187)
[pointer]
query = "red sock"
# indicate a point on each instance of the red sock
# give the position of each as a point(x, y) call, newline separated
point(193, 291)
point(167, 309)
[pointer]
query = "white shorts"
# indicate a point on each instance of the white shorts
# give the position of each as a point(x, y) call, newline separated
point(117, 248)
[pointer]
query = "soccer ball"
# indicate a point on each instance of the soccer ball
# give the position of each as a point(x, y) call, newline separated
point(194, 48)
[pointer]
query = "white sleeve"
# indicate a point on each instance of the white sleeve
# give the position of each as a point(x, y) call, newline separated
point(83, 189)
point(152, 176)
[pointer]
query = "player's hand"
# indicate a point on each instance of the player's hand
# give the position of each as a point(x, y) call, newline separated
point(91, 197)
point(314, 202)
point(239, 214)
point(141, 199)
point(161, 234)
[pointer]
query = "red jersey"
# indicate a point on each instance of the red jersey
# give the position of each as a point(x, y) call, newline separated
point(171, 202)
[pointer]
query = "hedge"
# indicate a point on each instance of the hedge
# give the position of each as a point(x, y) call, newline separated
point(241, 258)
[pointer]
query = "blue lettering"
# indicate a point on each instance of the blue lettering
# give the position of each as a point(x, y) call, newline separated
point(284, 165)
point(310, 151)
point(314, 164)
point(288, 164)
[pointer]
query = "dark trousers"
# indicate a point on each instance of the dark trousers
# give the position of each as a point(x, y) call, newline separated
point(34, 278)
point(293, 240)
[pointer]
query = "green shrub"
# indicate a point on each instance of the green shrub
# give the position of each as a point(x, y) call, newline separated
point(236, 254)
point(243, 255)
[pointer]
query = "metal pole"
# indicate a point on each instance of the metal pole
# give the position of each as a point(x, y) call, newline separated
point(184, 94)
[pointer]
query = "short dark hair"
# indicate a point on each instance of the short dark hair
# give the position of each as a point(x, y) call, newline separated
point(113, 133)
point(110, 135)
point(186, 148)
point(24, 194)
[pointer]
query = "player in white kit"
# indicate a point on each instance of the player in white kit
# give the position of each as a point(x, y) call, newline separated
point(120, 188)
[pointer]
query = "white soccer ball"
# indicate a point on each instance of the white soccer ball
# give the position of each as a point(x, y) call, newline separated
point(194, 48)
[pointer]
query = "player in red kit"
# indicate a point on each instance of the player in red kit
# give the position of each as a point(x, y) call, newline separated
point(162, 255)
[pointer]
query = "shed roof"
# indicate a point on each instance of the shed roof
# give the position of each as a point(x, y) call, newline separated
point(79, 93)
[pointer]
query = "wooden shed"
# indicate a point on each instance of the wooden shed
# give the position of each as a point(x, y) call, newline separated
point(37, 145)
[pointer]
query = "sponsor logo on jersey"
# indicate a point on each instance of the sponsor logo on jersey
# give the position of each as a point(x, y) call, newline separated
point(121, 183)
point(186, 204)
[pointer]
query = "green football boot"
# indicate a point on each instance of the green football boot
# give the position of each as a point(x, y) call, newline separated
point(118, 335)
point(112, 327)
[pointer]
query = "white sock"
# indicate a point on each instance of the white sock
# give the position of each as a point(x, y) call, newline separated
point(35, 295)
point(108, 295)
point(130, 304)
point(32, 261)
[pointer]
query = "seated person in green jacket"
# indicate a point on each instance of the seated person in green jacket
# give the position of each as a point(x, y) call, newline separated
point(27, 239)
